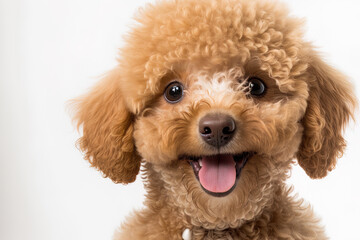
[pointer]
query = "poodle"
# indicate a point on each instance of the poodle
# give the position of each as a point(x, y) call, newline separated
point(215, 101)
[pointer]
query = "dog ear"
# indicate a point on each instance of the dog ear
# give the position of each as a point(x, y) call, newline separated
point(330, 105)
point(107, 127)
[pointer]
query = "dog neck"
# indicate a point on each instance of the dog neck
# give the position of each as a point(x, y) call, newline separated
point(161, 205)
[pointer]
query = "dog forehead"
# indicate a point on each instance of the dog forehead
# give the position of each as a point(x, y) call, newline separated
point(214, 84)
point(223, 32)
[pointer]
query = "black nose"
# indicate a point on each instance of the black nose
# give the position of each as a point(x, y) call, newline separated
point(217, 129)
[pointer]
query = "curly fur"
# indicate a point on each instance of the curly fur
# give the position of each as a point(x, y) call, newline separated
point(213, 47)
point(107, 131)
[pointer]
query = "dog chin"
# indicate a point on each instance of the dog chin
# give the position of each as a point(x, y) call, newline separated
point(218, 174)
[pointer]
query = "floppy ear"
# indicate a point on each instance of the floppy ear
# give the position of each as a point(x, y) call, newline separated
point(330, 105)
point(107, 127)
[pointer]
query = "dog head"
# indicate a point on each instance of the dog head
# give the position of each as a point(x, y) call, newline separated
point(217, 98)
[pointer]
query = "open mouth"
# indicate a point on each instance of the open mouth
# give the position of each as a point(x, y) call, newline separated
point(218, 174)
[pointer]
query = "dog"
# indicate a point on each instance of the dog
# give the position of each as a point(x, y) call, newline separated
point(215, 101)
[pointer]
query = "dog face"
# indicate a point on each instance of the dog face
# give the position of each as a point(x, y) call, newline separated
point(227, 135)
point(217, 98)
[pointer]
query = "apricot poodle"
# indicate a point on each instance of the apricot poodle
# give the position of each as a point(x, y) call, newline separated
point(214, 101)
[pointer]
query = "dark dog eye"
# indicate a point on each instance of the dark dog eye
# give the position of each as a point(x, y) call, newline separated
point(256, 86)
point(173, 92)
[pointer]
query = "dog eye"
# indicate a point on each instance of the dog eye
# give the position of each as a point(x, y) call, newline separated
point(173, 92)
point(256, 86)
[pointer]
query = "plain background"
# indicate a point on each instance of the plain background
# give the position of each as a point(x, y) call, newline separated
point(52, 51)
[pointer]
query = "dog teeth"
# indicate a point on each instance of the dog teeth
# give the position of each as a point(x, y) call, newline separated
point(200, 163)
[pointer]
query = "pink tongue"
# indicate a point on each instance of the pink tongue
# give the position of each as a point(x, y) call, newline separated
point(218, 173)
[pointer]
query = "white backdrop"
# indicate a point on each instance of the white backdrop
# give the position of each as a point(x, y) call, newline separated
point(52, 51)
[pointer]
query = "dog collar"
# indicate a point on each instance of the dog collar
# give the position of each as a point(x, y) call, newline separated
point(186, 235)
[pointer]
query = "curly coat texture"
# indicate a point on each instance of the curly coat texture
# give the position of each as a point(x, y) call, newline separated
point(212, 48)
